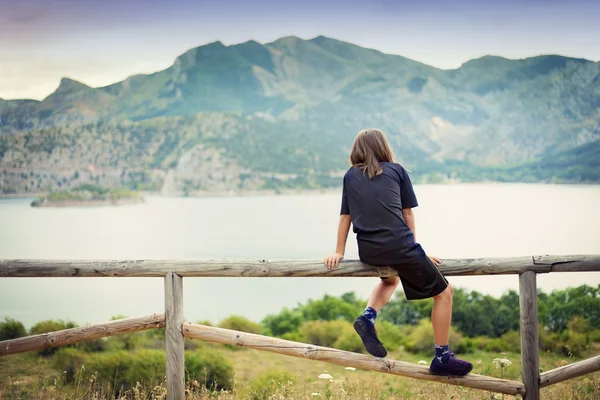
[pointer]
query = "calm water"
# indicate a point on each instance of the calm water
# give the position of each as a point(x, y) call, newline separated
point(453, 221)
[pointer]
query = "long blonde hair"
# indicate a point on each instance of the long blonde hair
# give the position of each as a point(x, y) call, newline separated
point(370, 147)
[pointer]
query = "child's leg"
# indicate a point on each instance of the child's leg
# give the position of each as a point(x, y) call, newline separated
point(444, 362)
point(441, 316)
point(364, 324)
point(382, 293)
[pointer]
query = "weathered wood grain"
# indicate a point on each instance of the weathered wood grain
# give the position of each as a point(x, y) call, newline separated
point(284, 268)
point(529, 335)
point(174, 343)
point(340, 357)
point(570, 371)
point(81, 334)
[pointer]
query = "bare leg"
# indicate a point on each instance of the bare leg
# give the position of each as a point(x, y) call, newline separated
point(382, 293)
point(441, 316)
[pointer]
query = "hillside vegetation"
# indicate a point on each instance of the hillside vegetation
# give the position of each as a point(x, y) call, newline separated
point(284, 114)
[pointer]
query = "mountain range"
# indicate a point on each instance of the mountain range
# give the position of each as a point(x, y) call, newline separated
point(282, 115)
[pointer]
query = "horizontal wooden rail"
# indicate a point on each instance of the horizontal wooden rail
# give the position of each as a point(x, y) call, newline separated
point(346, 358)
point(284, 268)
point(81, 334)
point(570, 371)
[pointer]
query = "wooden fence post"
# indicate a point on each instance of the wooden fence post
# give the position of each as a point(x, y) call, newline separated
point(174, 344)
point(529, 335)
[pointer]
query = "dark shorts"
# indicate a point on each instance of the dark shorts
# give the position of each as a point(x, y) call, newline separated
point(420, 279)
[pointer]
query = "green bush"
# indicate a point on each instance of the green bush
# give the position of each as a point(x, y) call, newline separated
point(421, 338)
point(269, 384)
point(125, 341)
point(595, 336)
point(50, 325)
point(238, 323)
point(11, 329)
point(92, 346)
point(349, 340)
point(293, 336)
point(209, 368)
point(122, 369)
point(466, 345)
point(323, 333)
point(493, 345)
point(512, 339)
point(567, 343)
point(579, 325)
point(390, 335)
point(69, 361)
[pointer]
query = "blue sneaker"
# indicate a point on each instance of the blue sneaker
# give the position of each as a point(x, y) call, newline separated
point(366, 331)
point(453, 366)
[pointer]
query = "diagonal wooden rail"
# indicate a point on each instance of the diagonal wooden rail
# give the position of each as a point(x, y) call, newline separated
point(81, 334)
point(346, 358)
point(173, 271)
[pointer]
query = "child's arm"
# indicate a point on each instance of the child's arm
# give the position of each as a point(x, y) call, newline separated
point(333, 261)
point(409, 217)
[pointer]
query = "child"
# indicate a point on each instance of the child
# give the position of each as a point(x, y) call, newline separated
point(378, 198)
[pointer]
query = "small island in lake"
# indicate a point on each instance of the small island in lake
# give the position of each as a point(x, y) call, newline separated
point(88, 195)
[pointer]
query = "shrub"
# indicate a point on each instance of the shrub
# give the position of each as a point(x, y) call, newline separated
point(209, 368)
point(119, 368)
point(390, 335)
point(69, 361)
point(495, 345)
point(512, 340)
point(11, 329)
point(349, 340)
point(125, 341)
point(122, 369)
point(242, 324)
point(466, 345)
point(566, 343)
point(293, 336)
point(595, 336)
point(421, 338)
point(579, 325)
point(269, 384)
point(50, 326)
point(323, 333)
point(92, 346)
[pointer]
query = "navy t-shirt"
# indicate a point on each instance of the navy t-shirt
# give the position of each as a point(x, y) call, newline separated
point(375, 207)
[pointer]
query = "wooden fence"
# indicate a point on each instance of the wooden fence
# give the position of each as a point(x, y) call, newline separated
point(174, 271)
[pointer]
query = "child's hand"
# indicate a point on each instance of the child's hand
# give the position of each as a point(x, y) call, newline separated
point(435, 260)
point(333, 261)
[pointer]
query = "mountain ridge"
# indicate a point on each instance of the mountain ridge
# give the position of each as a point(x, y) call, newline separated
point(293, 106)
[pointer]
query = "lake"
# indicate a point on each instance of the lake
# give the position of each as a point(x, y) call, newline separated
point(453, 221)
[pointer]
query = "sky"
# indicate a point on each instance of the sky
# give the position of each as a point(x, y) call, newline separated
point(102, 42)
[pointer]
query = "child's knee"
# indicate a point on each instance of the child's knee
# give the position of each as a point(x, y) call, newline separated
point(391, 281)
point(446, 295)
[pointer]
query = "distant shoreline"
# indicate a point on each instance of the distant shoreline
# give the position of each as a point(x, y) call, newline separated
point(272, 192)
point(87, 203)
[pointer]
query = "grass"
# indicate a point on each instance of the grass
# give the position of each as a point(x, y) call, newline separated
point(262, 375)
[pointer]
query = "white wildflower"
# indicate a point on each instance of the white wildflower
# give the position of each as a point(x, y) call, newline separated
point(422, 362)
point(502, 362)
point(325, 376)
point(478, 362)
point(315, 394)
point(350, 368)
